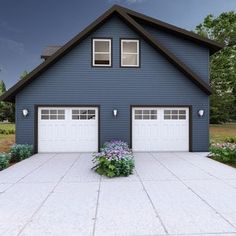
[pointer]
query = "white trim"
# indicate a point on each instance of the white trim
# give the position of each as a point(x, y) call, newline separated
point(108, 53)
point(129, 53)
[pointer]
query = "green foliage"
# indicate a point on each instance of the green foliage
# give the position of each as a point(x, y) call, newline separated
point(230, 139)
point(24, 74)
point(223, 152)
point(7, 110)
point(20, 152)
point(6, 132)
point(115, 159)
point(222, 65)
point(4, 160)
point(114, 168)
point(2, 87)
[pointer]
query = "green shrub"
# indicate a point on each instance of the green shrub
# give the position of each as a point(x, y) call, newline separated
point(7, 131)
point(230, 139)
point(20, 152)
point(115, 159)
point(4, 160)
point(223, 152)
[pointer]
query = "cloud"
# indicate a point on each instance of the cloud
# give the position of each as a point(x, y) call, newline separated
point(5, 26)
point(12, 46)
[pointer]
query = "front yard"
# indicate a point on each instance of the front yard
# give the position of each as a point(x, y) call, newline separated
point(219, 133)
point(7, 136)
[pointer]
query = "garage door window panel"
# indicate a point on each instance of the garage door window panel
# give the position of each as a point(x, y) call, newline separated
point(52, 114)
point(174, 114)
point(150, 114)
point(83, 114)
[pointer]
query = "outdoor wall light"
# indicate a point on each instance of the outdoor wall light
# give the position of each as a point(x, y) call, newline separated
point(115, 113)
point(25, 112)
point(201, 113)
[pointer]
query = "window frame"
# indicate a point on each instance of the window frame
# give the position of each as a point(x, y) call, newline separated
point(94, 53)
point(138, 52)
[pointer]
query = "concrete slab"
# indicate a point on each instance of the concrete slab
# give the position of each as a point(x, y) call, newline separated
point(81, 171)
point(30, 206)
point(182, 212)
point(231, 183)
point(219, 195)
point(18, 204)
point(181, 168)
point(212, 167)
point(23, 168)
point(4, 187)
point(124, 209)
point(70, 210)
point(53, 170)
point(149, 169)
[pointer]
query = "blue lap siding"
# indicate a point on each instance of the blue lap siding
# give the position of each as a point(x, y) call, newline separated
point(72, 80)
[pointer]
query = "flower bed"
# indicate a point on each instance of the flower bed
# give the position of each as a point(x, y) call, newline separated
point(115, 159)
point(17, 153)
point(223, 152)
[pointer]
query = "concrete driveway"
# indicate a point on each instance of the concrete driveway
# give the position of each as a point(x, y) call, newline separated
point(170, 193)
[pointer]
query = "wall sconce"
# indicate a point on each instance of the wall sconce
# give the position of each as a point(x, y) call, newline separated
point(25, 112)
point(115, 113)
point(201, 113)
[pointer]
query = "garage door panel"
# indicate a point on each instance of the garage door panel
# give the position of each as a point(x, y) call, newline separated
point(69, 130)
point(168, 131)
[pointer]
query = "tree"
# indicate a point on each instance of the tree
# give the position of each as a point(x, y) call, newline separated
point(2, 87)
point(7, 110)
point(24, 74)
point(222, 65)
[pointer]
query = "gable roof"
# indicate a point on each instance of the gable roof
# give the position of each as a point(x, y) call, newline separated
point(141, 18)
point(126, 15)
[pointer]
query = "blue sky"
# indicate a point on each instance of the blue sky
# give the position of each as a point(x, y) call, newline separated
point(27, 26)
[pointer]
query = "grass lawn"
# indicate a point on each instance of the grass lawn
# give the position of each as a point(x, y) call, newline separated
point(6, 140)
point(219, 133)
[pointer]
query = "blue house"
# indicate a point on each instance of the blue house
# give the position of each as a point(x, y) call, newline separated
point(126, 76)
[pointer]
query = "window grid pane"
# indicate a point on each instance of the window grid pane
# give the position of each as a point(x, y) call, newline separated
point(130, 53)
point(145, 114)
point(82, 114)
point(101, 52)
point(52, 114)
point(174, 114)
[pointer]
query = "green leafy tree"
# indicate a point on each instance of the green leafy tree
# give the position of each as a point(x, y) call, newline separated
point(7, 110)
point(222, 65)
point(24, 74)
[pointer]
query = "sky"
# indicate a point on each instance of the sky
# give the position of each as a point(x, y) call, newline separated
point(28, 26)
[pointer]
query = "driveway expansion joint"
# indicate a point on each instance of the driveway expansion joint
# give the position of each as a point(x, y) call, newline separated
point(202, 199)
point(47, 197)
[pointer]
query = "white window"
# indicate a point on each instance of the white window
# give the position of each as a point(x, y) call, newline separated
point(145, 114)
point(101, 52)
point(83, 114)
point(174, 114)
point(53, 114)
point(129, 53)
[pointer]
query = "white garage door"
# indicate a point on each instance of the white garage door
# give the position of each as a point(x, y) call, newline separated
point(67, 129)
point(160, 129)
